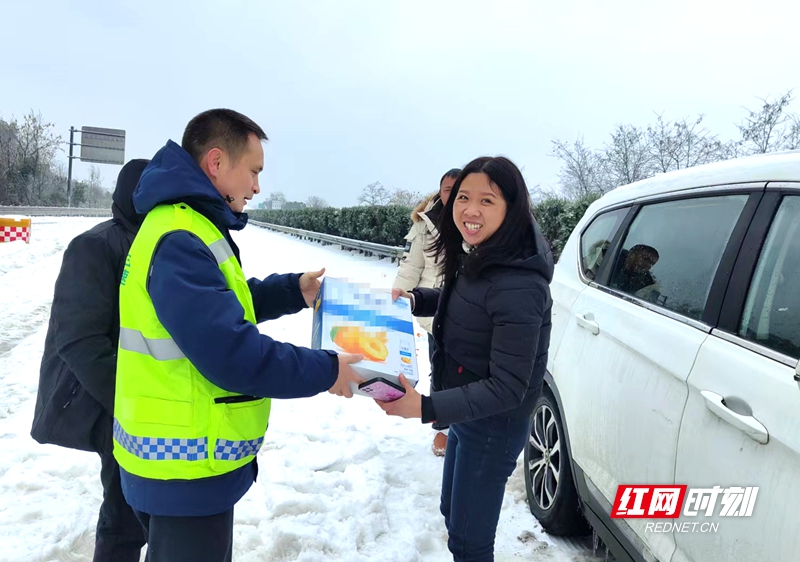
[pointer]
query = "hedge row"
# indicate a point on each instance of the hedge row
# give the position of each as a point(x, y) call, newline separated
point(557, 218)
point(381, 225)
point(389, 225)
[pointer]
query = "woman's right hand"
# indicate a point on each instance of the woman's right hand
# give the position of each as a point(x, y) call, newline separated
point(397, 293)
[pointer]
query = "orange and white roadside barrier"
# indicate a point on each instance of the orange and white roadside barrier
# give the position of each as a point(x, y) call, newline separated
point(15, 228)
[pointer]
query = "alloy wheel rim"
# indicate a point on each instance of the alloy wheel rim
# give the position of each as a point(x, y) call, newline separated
point(544, 454)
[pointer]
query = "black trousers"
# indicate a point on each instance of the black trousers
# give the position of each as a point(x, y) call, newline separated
point(189, 539)
point(120, 536)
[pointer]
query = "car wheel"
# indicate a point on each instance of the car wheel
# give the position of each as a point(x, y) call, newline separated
point(552, 496)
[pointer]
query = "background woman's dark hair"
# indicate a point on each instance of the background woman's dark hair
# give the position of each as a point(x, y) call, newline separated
point(514, 238)
point(452, 173)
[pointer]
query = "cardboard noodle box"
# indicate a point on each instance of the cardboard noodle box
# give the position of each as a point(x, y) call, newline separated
point(355, 318)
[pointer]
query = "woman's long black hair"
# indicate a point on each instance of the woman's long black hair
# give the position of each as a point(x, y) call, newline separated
point(513, 240)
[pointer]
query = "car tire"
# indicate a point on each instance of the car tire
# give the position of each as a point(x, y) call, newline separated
point(552, 496)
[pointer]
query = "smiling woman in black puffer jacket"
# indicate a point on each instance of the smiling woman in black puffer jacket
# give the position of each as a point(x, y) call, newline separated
point(492, 328)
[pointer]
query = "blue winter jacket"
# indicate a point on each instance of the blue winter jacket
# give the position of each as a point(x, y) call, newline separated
point(207, 322)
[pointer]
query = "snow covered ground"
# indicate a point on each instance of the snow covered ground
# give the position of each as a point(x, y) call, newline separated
point(338, 480)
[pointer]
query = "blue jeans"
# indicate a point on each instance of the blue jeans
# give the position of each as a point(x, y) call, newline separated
point(480, 457)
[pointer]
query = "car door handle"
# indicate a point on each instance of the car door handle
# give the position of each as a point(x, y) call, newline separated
point(587, 322)
point(751, 427)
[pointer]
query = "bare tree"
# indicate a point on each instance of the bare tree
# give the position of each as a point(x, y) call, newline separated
point(277, 196)
point(315, 202)
point(27, 151)
point(95, 186)
point(583, 170)
point(374, 194)
point(731, 149)
point(404, 198)
point(769, 128)
point(675, 145)
point(538, 193)
point(634, 153)
point(9, 150)
point(793, 137)
point(55, 192)
point(627, 156)
point(662, 144)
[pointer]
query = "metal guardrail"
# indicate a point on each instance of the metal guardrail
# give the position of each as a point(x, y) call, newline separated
point(367, 248)
point(55, 212)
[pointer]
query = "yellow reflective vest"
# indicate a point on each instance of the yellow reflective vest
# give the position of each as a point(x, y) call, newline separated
point(170, 422)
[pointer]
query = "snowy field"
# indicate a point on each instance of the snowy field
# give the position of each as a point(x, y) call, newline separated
point(338, 479)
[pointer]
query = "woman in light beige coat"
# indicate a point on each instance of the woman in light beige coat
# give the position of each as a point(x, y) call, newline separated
point(420, 269)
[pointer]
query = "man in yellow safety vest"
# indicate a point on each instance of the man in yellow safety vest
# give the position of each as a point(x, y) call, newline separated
point(194, 375)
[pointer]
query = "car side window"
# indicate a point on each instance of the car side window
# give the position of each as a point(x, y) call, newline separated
point(597, 238)
point(672, 251)
point(772, 312)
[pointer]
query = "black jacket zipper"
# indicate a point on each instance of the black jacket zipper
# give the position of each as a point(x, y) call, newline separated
point(72, 394)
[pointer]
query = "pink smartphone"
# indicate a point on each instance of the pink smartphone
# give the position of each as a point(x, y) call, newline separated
point(383, 390)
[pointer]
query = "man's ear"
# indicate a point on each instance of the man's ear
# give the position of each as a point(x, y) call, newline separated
point(214, 162)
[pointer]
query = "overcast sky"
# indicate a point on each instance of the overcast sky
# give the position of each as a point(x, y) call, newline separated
point(356, 91)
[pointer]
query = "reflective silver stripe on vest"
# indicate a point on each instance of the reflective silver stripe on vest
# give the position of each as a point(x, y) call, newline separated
point(161, 448)
point(160, 349)
point(234, 450)
point(221, 249)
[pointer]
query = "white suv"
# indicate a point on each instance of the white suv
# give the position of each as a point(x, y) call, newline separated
point(674, 361)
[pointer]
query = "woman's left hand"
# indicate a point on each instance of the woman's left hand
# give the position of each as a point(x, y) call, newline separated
point(409, 406)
